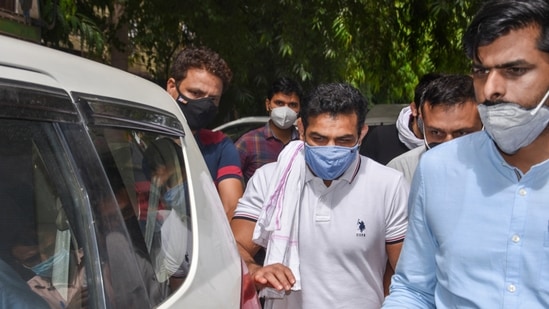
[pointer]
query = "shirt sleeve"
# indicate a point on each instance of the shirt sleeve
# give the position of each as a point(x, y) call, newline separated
point(414, 281)
point(229, 161)
point(397, 214)
point(250, 205)
point(407, 162)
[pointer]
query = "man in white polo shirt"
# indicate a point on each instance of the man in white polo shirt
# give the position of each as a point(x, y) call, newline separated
point(328, 217)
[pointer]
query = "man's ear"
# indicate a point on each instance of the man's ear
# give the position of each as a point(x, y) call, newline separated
point(267, 107)
point(413, 108)
point(300, 129)
point(363, 133)
point(171, 87)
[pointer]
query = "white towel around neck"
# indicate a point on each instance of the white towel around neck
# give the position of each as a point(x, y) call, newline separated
point(278, 223)
point(405, 135)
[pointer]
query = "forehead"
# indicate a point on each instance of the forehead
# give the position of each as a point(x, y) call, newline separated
point(286, 98)
point(202, 80)
point(332, 125)
point(520, 44)
point(451, 117)
point(23, 252)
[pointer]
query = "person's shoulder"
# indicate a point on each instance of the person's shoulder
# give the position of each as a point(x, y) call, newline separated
point(251, 135)
point(209, 137)
point(266, 170)
point(255, 132)
point(410, 154)
point(378, 178)
point(466, 151)
point(372, 167)
point(461, 147)
point(260, 179)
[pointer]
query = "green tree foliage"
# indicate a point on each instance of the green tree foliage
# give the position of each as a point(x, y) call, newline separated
point(382, 47)
point(66, 23)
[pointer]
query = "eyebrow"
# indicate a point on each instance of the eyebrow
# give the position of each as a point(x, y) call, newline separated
point(201, 92)
point(193, 89)
point(316, 134)
point(346, 136)
point(452, 131)
point(510, 64)
point(284, 102)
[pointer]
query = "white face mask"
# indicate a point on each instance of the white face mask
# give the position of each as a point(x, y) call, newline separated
point(283, 117)
point(513, 127)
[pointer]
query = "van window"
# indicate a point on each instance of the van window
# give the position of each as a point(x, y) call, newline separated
point(147, 174)
point(93, 217)
point(139, 149)
point(37, 240)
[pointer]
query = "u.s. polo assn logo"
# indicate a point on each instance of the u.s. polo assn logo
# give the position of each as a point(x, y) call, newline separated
point(360, 227)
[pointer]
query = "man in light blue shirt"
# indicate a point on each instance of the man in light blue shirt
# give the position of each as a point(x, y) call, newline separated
point(478, 234)
point(16, 293)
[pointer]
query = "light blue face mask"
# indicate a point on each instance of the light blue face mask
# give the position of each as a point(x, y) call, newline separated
point(330, 162)
point(175, 197)
point(45, 268)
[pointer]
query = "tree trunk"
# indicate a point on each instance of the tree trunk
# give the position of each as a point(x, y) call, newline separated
point(119, 46)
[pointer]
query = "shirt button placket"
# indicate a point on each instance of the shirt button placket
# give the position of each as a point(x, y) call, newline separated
point(514, 248)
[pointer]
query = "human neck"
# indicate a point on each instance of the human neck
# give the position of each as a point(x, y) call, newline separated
point(284, 135)
point(526, 157)
point(327, 183)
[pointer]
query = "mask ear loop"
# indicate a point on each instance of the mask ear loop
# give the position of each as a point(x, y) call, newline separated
point(181, 98)
point(422, 129)
point(541, 103)
point(426, 144)
point(420, 125)
point(419, 119)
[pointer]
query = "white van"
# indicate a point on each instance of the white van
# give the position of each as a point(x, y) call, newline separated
point(106, 201)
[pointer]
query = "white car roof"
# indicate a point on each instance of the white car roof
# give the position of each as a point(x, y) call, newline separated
point(77, 74)
point(243, 120)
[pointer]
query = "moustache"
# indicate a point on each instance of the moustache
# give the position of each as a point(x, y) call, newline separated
point(492, 103)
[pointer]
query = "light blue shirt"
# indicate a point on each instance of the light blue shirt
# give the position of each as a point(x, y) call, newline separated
point(15, 293)
point(478, 234)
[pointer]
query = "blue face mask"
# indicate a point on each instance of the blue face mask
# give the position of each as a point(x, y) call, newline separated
point(45, 268)
point(329, 162)
point(175, 197)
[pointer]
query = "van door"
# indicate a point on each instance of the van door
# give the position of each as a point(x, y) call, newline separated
point(41, 229)
point(73, 197)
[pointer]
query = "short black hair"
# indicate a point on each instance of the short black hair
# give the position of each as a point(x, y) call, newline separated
point(335, 99)
point(497, 18)
point(192, 57)
point(286, 86)
point(449, 90)
point(422, 84)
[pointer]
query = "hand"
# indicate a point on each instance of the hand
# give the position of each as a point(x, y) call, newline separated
point(79, 300)
point(276, 276)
